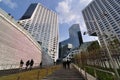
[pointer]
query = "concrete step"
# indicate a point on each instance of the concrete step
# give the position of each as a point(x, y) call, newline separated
point(65, 74)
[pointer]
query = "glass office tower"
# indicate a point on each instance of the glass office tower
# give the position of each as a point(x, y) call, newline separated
point(75, 37)
point(75, 40)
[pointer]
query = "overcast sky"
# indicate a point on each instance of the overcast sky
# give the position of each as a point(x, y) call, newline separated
point(69, 12)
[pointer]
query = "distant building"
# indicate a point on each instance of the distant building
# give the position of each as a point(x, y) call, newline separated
point(42, 24)
point(64, 50)
point(88, 46)
point(16, 44)
point(75, 39)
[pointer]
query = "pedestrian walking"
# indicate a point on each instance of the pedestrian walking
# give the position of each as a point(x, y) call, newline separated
point(27, 64)
point(31, 63)
point(54, 63)
point(68, 63)
point(21, 64)
point(41, 65)
point(64, 63)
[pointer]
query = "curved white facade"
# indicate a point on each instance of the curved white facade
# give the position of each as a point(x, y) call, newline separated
point(16, 43)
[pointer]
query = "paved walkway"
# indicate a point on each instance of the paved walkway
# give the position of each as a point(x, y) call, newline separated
point(12, 71)
point(8, 72)
point(65, 74)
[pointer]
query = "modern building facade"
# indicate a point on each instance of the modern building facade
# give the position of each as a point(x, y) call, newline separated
point(75, 35)
point(103, 16)
point(75, 39)
point(16, 44)
point(42, 24)
point(64, 51)
point(83, 48)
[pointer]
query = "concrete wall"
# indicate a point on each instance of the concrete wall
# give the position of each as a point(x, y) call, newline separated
point(16, 44)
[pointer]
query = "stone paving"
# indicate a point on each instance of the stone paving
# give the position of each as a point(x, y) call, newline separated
point(65, 74)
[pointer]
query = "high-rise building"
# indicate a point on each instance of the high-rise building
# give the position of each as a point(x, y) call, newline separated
point(75, 39)
point(75, 35)
point(42, 24)
point(103, 16)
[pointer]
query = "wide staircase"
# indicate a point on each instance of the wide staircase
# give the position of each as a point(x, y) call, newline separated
point(65, 74)
point(58, 74)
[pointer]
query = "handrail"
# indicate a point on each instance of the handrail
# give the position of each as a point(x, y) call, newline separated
point(102, 70)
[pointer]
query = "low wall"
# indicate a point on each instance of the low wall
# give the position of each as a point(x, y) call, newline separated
point(85, 74)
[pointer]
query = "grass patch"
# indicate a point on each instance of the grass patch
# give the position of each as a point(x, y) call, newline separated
point(101, 75)
point(104, 76)
point(37, 74)
point(90, 70)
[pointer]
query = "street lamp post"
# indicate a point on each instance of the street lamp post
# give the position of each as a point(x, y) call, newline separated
point(108, 51)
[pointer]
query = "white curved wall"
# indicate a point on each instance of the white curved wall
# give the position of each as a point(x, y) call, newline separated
point(16, 44)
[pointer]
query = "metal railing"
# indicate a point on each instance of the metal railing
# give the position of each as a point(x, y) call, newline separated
point(96, 71)
point(39, 72)
point(93, 73)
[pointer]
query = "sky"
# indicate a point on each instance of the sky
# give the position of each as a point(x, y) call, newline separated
point(69, 12)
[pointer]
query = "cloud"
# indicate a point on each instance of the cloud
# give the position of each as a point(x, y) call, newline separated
point(84, 2)
point(10, 3)
point(0, 0)
point(69, 11)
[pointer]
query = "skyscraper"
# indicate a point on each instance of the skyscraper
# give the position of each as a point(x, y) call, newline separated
point(75, 35)
point(42, 24)
point(103, 16)
point(75, 39)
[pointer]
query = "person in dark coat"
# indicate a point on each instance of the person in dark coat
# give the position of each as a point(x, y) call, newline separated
point(41, 65)
point(64, 63)
point(68, 63)
point(21, 63)
point(27, 64)
point(31, 63)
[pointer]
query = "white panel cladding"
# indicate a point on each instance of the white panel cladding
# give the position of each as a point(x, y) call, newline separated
point(107, 15)
point(44, 27)
point(16, 44)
